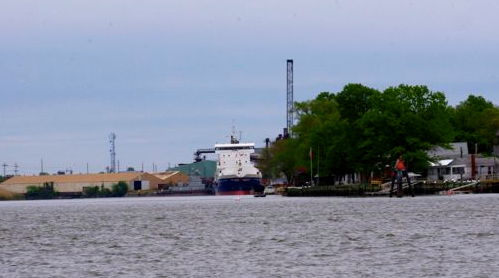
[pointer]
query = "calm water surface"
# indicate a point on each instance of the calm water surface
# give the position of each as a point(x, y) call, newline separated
point(212, 236)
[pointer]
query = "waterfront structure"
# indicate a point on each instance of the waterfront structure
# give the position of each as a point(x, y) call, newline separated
point(74, 184)
point(205, 168)
point(456, 163)
point(194, 186)
point(172, 178)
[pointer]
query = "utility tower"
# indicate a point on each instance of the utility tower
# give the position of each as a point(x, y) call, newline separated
point(112, 138)
point(4, 166)
point(290, 104)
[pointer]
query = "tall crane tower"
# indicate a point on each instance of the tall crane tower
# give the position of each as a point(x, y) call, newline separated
point(112, 138)
point(290, 103)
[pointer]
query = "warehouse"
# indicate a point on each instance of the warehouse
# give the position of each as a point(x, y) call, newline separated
point(77, 183)
point(171, 178)
point(205, 168)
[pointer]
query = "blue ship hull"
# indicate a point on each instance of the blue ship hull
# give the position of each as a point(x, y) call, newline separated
point(238, 186)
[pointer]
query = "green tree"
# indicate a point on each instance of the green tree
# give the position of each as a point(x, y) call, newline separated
point(46, 191)
point(104, 192)
point(321, 128)
point(359, 130)
point(476, 121)
point(265, 164)
point(119, 189)
point(284, 158)
point(91, 192)
point(354, 101)
point(405, 120)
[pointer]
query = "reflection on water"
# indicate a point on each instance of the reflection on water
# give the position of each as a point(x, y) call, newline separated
point(225, 236)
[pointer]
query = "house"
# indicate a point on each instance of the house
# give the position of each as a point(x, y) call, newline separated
point(456, 163)
point(77, 183)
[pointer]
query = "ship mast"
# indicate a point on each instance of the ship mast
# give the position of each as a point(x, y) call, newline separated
point(233, 138)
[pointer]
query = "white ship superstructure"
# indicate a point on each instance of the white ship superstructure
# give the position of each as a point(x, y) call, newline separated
point(235, 173)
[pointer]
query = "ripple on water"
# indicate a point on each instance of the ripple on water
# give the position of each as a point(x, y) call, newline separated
point(213, 236)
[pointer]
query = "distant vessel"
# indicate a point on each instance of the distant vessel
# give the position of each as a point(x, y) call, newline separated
point(195, 186)
point(235, 173)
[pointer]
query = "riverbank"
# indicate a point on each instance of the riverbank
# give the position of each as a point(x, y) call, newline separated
point(7, 195)
point(366, 190)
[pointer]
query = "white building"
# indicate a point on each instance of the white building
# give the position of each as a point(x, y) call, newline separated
point(457, 164)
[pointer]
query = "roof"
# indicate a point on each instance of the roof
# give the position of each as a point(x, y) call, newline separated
point(235, 146)
point(485, 161)
point(454, 151)
point(168, 174)
point(443, 162)
point(206, 168)
point(96, 178)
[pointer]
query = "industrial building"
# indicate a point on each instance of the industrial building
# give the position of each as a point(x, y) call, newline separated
point(77, 183)
point(170, 178)
point(204, 168)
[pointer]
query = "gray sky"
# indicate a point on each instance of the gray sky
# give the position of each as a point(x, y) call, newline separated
point(169, 77)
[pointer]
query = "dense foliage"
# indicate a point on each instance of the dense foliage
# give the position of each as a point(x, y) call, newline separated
point(46, 191)
point(117, 190)
point(476, 121)
point(362, 130)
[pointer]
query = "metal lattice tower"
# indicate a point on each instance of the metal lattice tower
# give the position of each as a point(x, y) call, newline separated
point(112, 138)
point(290, 104)
point(4, 166)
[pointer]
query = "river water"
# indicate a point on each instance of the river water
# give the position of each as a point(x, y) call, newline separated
point(227, 236)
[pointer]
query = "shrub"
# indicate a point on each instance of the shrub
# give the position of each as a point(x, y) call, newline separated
point(119, 189)
point(91, 192)
point(105, 192)
point(46, 191)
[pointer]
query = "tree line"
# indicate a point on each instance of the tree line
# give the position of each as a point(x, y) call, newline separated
point(361, 130)
point(47, 191)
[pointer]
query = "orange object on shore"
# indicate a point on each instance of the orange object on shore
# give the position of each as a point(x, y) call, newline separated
point(400, 165)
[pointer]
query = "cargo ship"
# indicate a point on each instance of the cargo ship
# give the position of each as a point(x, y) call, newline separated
point(235, 173)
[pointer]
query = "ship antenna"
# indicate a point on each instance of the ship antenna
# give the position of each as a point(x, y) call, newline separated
point(233, 138)
point(233, 128)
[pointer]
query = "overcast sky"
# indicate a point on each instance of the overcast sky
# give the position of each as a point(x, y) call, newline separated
point(169, 77)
